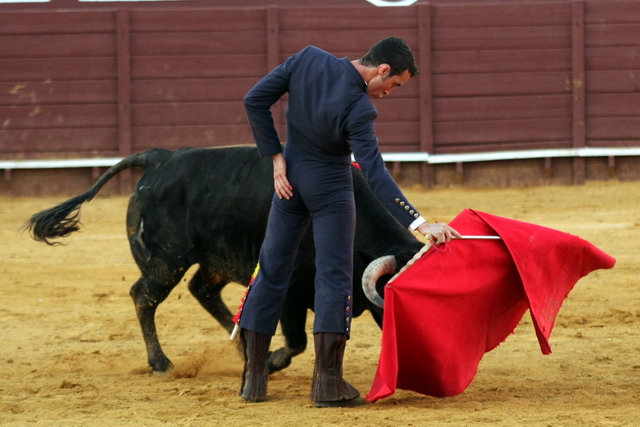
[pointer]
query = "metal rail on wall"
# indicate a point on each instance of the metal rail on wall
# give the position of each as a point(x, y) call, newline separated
point(511, 155)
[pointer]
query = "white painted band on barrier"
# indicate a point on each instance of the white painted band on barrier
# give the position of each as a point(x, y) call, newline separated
point(60, 163)
point(387, 157)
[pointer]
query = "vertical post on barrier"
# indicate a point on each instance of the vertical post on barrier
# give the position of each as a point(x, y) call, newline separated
point(579, 92)
point(273, 58)
point(123, 47)
point(425, 95)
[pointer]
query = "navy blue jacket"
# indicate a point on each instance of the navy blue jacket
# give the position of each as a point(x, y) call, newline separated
point(328, 106)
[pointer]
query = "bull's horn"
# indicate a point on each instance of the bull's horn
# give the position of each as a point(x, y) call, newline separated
point(375, 270)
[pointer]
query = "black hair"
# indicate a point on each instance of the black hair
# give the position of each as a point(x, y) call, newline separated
point(393, 51)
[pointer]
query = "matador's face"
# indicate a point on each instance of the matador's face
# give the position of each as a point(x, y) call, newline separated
point(382, 85)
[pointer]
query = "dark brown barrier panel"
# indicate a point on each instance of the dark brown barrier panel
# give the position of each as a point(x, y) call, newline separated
point(97, 79)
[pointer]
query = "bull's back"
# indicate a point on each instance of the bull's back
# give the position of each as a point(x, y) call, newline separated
point(205, 206)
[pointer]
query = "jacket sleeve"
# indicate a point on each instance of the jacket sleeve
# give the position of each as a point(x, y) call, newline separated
point(257, 104)
point(361, 134)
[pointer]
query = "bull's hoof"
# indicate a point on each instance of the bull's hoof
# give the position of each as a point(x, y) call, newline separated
point(161, 366)
point(278, 360)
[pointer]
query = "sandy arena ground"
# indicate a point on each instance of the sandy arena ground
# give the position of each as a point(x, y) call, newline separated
point(72, 353)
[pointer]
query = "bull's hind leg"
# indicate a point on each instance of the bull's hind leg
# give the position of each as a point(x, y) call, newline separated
point(147, 294)
point(206, 287)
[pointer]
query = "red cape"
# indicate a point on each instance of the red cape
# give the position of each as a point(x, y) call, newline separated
point(462, 300)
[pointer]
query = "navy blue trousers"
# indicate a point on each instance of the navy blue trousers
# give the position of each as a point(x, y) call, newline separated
point(323, 197)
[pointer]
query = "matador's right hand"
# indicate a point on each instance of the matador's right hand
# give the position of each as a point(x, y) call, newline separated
point(440, 232)
point(280, 181)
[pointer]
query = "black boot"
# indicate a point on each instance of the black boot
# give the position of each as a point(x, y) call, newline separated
point(256, 370)
point(328, 389)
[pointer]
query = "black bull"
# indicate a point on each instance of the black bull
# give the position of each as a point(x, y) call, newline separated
point(210, 207)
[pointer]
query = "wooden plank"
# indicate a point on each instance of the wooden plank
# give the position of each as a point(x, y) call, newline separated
point(497, 38)
point(607, 12)
point(614, 128)
point(502, 108)
point(500, 15)
point(356, 18)
point(57, 45)
point(338, 54)
point(398, 148)
point(391, 133)
point(410, 89)
point(599, 35)
point(198, 43)
point(191, 90)
point(498, 131)
point(57, 22)
point(622, 143)
point(35, 140)
point(173, 137)
point(599, 81)
point(50, 69)
point(179, 114)
point(612, 58)
point(396, 108)
point(178, 5)
point(501, 146)
point(613, 104)
point(58, 92)
point(483, 84)
point(501, 61)
point(201, 19)
point(218, 66)
point(340, 40)
point(58, 116)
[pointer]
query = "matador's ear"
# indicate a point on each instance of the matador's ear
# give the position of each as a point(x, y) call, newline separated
point(384, 69)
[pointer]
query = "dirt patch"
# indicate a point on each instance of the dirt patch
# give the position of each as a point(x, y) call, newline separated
point(72, 353)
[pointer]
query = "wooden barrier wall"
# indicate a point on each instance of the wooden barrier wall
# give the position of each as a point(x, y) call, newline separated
point(109, 81)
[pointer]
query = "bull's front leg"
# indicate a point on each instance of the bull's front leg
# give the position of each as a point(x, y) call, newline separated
point(147, 295)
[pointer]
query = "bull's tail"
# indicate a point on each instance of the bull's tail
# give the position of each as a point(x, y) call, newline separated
point(64, 219)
